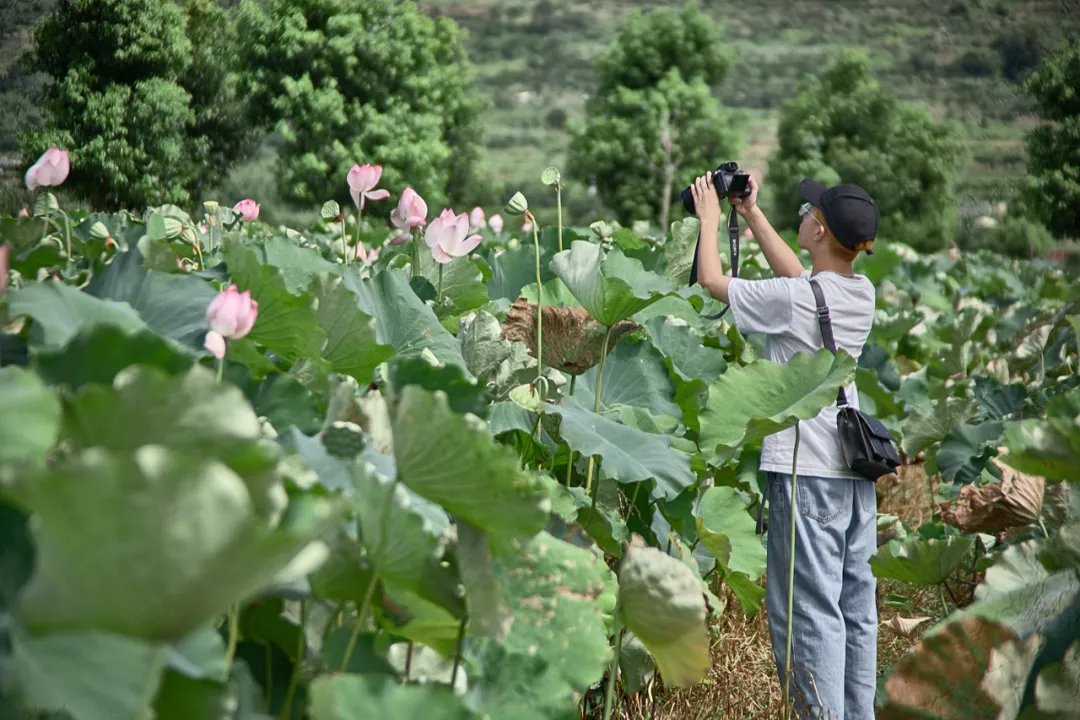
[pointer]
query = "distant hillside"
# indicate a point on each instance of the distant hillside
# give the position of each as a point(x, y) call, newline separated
point(965, 59)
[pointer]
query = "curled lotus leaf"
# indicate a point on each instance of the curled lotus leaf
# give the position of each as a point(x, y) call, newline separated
point(573, 340)
point(1016, 501)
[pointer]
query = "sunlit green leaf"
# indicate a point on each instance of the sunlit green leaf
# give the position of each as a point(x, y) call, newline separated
point(661, 602)
point(748, 402)
point(452, 460)
point(628, 454)
point(611, 287)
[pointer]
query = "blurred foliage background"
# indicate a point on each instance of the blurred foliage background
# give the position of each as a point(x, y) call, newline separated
point(929, 104)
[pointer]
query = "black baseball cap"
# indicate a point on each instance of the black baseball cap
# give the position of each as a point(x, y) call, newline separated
point(849, 211)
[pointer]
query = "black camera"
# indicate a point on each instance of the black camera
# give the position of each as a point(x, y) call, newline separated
point(728, 181)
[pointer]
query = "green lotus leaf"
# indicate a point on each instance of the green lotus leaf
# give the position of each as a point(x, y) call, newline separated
point(299, 266)
point(1020, 593)
point(403, 545)
point(749, 402)
point(924, 428)
point(172, 304)
point(97, 353)
point(558, 594)
point(679, 250)
point(634, 376)
point(29, 417)
point(922, 561)
point(611, 287)
point(628, 454)
point(661, 602)
point(90, 675)
point(1057, 691)
point(348, 697)
point(515, 685)
point(286, 323)
point(966, 451)
point(684, 346)
point(462, 284)
point(452, 460)
point(60, 311)
point(351, 345)
point(728, 531)
point(153, 543)
point(1049, 447)
point(402, 320)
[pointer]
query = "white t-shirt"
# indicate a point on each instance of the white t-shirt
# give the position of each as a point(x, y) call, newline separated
point(783, 309)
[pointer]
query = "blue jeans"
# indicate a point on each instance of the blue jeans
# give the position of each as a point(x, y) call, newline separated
point(834, 647)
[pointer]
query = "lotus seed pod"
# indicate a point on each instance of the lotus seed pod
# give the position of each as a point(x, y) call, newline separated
point(343, 439)
point(517, 205)
point(98, 231)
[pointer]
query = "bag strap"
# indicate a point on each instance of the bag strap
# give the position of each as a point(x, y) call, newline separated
point(825, 323)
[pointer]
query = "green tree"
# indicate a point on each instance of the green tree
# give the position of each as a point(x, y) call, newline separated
point(143, 97)
point(377, 81)
point(844, 127)
point(1053, 192)
point(653, 123)
point(20, 85)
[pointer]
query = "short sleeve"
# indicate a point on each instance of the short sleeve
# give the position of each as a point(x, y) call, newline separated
point(761, 306)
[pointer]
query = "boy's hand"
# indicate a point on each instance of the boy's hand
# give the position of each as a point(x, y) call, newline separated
point(746, 205)
point(706, 204)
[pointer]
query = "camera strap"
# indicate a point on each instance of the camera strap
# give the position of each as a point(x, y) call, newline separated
point(733, 251)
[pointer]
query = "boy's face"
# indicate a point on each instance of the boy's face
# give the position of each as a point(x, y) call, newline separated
point(809, 227)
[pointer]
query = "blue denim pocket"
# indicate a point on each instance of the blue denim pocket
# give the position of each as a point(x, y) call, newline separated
point(824, 499)
point(866, 492)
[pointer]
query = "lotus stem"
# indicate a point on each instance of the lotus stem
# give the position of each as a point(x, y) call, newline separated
point(596, 409)
point(361, 615)
point(791, 576)
point(67, 233)
point(558, 203)
point(234, 634)
point(301, 644)
point(539, 297)
point(438, 296)
point(941, 596)
point(408, 663)
point(415, 253)
point(457, 652)
point(198, 254)
point(613, 672)
point(220, 369)
point(344, 244)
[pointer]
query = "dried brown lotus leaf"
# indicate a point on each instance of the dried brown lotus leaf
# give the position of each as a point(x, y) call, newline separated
point(1016, 501)
point(904, 625)
point(973, 668)
point(572, 338)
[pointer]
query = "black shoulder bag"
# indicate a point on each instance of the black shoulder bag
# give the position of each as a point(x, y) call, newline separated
point(867, 444)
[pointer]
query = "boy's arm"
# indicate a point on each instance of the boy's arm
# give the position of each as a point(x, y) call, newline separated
point(782, 259)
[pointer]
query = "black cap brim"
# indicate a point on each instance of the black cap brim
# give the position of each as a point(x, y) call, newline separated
point(810, 191)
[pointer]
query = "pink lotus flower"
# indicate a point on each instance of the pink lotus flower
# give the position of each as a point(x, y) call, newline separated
point(368, 256)
point(495, 222)
point(5, 250)
point(362, 181)
point(411, 211)
point(24, 213)
point(247, 209)
point(527, 227)
point(52, 168)
point(446, 236)
point(476, 218)
point(231, 316)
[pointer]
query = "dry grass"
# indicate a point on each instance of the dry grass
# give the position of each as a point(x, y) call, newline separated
point(742, 683)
